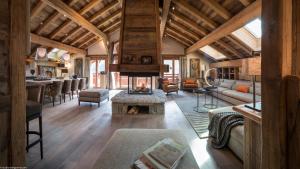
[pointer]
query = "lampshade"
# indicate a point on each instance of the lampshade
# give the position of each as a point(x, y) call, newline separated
point(41, 53)
point(66, 56)
point(254, 66)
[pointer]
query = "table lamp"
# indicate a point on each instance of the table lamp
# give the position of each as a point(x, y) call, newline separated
point(254, 69)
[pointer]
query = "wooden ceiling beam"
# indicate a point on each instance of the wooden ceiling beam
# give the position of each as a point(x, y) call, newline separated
point(177, 39)
point(240, 44)
point(219, 9)
point(86, 41)
point(183, 28)
point(194, 11)
point(165, 13)
point(75, 17)
point(37, 9)
point(91, 43)
point(73, 32)
point(114, 15)
point(189, 22)
point(180, 34)
point(80, 37)
point(251, 12)
point(103, 10)
point(221, 51)
point(245, 2)
point(229, 48)
point(112, 25)
point(68, 22)
point(54, 44)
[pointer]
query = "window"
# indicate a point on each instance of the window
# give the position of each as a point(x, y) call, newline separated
point(254, 27)
point(173, 74)
point(212, 52)
point(97, 73)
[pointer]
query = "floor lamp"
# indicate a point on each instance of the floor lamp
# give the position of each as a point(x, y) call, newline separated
point(254, 69)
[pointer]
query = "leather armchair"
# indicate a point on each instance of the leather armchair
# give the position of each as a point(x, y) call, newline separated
point(189, 84)
point(168, 87)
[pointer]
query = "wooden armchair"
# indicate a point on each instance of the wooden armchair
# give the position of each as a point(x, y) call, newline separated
point(189, 84)
point(167, 86)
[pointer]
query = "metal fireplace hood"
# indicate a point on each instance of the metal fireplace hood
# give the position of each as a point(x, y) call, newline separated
point(139, 45)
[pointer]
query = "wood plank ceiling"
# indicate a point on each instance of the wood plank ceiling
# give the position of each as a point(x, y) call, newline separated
point(81, 23)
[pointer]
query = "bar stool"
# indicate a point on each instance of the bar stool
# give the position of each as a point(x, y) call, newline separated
point(74, 87)
point(34, 107)
point(55, 91)
point(82, 84)
point(66, 89)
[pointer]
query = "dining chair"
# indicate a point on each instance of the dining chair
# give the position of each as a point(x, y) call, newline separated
point(66, 89)
point(74, 87)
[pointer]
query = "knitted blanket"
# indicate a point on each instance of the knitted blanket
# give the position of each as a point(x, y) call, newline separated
point(221, 125)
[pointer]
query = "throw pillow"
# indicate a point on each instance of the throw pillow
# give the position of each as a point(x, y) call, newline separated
point(242, 88)
point(189, 81)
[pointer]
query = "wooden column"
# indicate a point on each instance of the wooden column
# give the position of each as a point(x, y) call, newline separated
point(276, 64)
point(14, 46)
point(110, 61)
point(296, 40)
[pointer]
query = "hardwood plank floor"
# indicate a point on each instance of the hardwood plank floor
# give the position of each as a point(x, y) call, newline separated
point(74, 136)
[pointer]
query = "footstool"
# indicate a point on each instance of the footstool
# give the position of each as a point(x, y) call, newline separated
point(127, 145)
point(93, 96)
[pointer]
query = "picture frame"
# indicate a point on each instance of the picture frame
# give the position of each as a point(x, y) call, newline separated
point(146, 60)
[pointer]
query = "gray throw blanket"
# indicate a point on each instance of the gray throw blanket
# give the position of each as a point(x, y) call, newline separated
point(221, 125)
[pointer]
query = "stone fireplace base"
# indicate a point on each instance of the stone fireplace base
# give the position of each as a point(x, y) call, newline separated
point(155, 102)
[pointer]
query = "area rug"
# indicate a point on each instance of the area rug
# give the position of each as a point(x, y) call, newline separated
point(198, 120)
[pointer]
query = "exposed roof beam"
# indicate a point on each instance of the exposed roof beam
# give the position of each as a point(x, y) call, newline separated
point(87, 40)
point(68, 22)
point(114, 28)
point(103, 10)
point(182, 28)
point(189, 8)
point(80, 37)
point(221, 51)
point(229, 48)
point(245, 2)
point(240, 44)
point(76, 17)
point(177, 39)
point(165, 12)
point(114, 15)
point(251, 12)
point(180, 34)
point(189, 22)
point(91, 43)
point(112, 25)
point(73, 32)
point(37, 9)
point(54, 44)
point(219, 9)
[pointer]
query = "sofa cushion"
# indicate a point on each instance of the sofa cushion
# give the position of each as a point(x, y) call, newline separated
point(241, 82)
point(190, 85)
point(245, 97)
point(242, 88)
point(227, 84)
point(190, 81)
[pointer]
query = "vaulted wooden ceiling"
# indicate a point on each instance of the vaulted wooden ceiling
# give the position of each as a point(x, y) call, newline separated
point(74, 25)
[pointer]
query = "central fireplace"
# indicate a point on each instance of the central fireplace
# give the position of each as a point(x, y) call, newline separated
point(140, 84)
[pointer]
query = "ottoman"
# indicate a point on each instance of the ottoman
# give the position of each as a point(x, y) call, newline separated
point(127, 145)
point(93, 96)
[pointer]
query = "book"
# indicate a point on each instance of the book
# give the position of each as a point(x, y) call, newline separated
point(165, 154)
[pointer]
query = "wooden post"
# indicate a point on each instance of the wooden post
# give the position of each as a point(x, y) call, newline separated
point(110, 61)
point(14, 43)
point(276, 64)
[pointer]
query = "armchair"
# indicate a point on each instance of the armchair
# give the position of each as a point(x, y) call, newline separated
point(189, 84)
point(168, 87)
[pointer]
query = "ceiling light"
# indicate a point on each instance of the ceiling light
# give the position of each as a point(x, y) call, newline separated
point(41, 23)
point(173, 8)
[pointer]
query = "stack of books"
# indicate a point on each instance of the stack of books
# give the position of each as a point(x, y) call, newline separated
point(165, 154)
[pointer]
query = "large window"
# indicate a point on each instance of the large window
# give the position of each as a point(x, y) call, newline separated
point(98, 73)
point(174, 69)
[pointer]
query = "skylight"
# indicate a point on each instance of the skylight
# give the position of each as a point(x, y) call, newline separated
point(212, 52)
point(254, 27)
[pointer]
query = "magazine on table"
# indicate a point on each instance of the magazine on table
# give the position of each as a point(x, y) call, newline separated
point(165, 154)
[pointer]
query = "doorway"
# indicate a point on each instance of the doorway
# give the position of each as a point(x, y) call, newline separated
point(98, 70)
point(174, 69)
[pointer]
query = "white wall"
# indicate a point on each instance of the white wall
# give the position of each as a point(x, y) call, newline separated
point(171, 47)
point(97, 49)
point(204, 62)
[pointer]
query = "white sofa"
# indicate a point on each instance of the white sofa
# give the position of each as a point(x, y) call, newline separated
point(227, 91)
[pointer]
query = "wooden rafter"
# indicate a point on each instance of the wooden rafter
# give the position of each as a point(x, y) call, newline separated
point(251, 12)
point(183, 28)
point(114, 28)
point(165, 12)
point(76, 17)
point(54, 44)
point(177, 39)
point(240, 44)
point(112, 25)
point(245, 2)
point(80, 37)
point(86, 41)
point(103, 10)
point(180, 34)
point(219, 9)
point(89, 6)
point(37, 9)
point(229, 48)
point(73, 32)
point(194, 11)
point(189, 22)
point(114, 15)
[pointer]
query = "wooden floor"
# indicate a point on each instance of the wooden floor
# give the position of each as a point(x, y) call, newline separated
point(74, 136)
